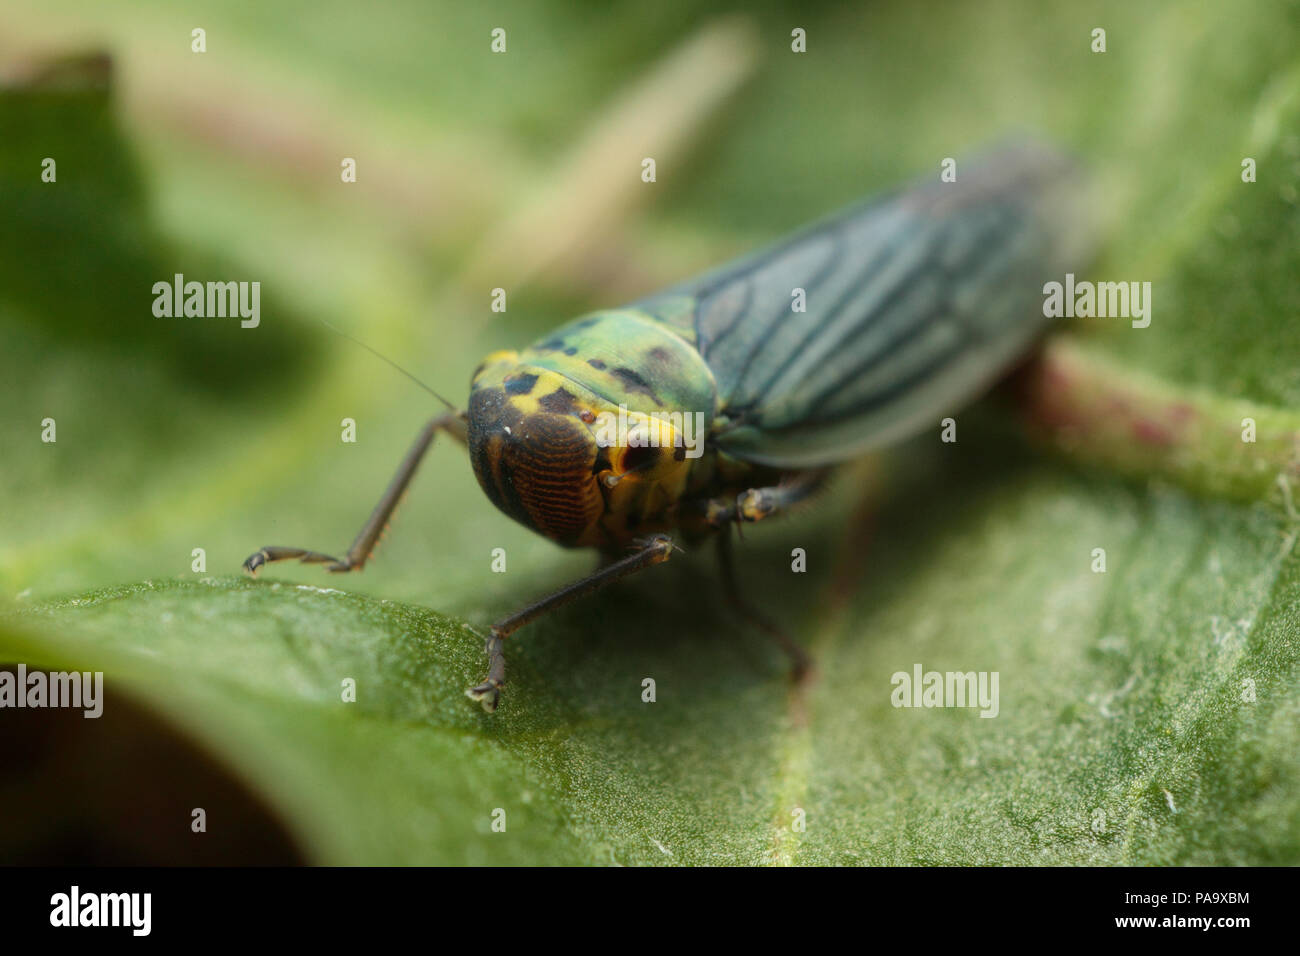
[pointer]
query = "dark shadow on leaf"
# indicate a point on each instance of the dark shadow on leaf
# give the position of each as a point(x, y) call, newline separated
point(121, 790)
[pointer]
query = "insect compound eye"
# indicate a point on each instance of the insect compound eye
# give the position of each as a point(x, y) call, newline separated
point(587, 415)
point(546, 467)
point(536, 468)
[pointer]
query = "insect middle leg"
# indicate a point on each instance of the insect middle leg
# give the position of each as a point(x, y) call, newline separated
point(759, 503)
point(453, 424)
point(755, 505)
point(650, 551)
point(800, 662)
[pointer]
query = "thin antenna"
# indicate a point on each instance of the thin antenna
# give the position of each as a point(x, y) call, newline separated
point(380, 355)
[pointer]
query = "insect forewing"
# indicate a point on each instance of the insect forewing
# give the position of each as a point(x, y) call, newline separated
point(914, 303)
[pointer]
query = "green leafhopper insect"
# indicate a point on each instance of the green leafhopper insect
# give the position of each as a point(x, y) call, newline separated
point(729, 398)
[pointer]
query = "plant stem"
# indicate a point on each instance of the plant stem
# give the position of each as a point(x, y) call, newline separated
point(1096, 410)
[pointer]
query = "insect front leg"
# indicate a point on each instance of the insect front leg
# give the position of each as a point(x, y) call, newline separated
point(650, 551)
point(453, 424)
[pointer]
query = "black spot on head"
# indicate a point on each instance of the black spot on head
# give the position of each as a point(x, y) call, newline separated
point(642, 456)
point(660, 354)
point(597, 364)
point(571, 350)
point(550, 345)
point(635, 383)
point(520, 384)
point(559, 401)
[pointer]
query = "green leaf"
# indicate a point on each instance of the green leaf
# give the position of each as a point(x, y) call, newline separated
point(1148, 714)
point(1115, 689)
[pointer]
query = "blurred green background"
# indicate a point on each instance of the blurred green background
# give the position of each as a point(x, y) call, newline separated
point(1121, 693)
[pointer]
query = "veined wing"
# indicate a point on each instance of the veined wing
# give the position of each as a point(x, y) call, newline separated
point(915, 302)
